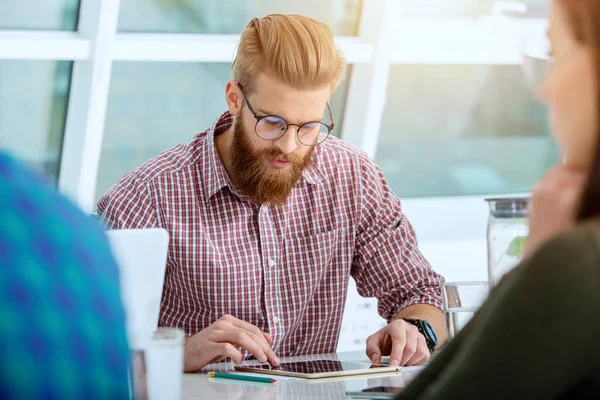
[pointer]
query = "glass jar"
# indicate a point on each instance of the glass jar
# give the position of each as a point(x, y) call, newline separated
point(507, 230)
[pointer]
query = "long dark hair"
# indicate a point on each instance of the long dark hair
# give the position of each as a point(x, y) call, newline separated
point(584, 16)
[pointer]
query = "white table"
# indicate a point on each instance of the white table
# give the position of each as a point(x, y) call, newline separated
point(198, 386)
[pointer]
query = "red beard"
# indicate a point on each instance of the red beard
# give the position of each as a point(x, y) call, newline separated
point(254, 177)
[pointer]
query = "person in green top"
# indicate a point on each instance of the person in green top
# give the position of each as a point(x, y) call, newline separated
point(538, 335)
point(62, 323)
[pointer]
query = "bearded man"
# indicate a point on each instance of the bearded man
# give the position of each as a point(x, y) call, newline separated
point(269, 215)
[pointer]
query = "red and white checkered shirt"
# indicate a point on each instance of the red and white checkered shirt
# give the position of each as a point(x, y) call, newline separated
point(284, 270)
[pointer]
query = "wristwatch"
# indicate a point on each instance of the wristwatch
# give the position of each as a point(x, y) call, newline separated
point(426, 330)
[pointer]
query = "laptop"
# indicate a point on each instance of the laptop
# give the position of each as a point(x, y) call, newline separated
point(142, 258)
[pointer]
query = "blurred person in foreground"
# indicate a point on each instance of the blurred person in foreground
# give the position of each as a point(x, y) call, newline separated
point(537, 336)
point(270, 215)
point(62, 324)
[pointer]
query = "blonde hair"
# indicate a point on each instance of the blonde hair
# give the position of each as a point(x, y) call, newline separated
point(297, 50)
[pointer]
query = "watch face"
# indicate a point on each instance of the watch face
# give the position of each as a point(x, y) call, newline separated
point(427, 331)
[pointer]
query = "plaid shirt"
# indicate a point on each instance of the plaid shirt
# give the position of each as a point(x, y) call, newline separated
point(283, 270)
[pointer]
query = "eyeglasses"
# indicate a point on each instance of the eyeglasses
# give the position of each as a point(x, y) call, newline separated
point(272, 127)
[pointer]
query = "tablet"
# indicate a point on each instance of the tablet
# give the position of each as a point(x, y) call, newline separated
point(318, 369)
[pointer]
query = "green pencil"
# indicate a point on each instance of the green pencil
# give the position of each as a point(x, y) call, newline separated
point(240, 377)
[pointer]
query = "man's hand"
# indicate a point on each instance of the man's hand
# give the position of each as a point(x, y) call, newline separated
point(223, 339)
point(401, 341)
point(554, 205)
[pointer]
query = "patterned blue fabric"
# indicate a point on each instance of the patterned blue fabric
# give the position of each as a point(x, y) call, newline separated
point(62, 324)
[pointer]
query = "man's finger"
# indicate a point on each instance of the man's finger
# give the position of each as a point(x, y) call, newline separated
point(412, 341)
point(421, 355)
point(258, 337)
point(240, 338)
point(271, 356)
point(227, 350)
point(268, 337)
point(238, 323)
point(398, 344)
point(373, 348)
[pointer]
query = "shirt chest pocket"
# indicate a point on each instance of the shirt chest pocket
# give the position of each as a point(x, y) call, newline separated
point(215, 279)
point(306, 261)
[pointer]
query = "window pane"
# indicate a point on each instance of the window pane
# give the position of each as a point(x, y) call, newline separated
point(459, 130)
point(466, 8)
point(154, 106)
point(231, 17)
point(33, 108)
point(39, 15)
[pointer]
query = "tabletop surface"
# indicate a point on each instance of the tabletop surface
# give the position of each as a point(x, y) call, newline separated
point(199, 386)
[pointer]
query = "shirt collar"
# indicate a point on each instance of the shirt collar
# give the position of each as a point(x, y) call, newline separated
point(215, 177)
point(312, 174)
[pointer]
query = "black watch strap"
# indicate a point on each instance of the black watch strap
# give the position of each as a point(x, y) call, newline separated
point(426, 330)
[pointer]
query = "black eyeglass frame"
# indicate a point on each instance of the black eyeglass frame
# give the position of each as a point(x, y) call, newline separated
point(261, 117)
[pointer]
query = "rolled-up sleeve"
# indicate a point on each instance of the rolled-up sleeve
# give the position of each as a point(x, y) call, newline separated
point(387, 263)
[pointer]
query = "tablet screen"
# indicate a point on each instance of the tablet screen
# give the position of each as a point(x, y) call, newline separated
point(317, 366)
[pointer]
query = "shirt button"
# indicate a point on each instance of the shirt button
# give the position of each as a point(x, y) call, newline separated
point(275, 319)
point(271, 262)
